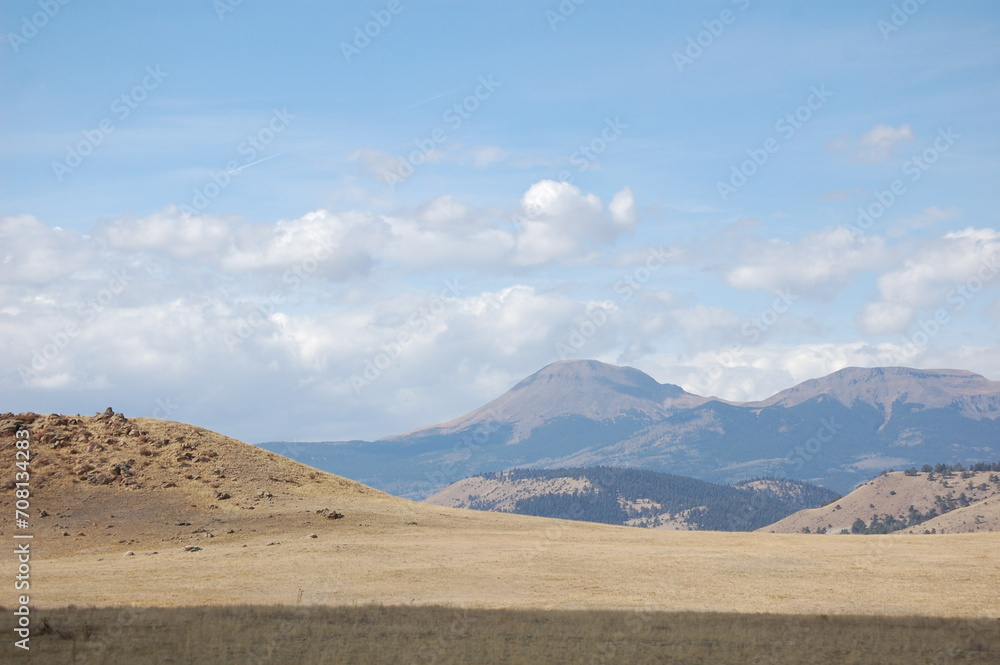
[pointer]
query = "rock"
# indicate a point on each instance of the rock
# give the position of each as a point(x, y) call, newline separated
point(129, 553)
point(191, 548)
point(223, 496)
point(313, 535)
point(274, 542)
point(334, 515)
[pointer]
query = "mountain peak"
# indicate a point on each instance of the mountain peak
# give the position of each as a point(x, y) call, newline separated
point(884, 386)
point(575, 388)
point(566, 373)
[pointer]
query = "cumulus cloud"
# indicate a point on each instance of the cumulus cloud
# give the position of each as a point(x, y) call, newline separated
point(172, 231)
point(559, 222)
point(31, 252)
point(818, 262)
point(946, 272)
point(622, 209)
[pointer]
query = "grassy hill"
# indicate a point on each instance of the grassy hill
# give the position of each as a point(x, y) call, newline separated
point(634, 497)
point(946, 499)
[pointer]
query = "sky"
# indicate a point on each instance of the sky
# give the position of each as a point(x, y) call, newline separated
point(327, 221)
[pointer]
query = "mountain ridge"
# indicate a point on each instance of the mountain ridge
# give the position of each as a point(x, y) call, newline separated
point(834, 430)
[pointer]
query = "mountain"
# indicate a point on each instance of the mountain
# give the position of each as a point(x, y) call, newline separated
point(951, 500)
point(632, 497)
point(836, 431)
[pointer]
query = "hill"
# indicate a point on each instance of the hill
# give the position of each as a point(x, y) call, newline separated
point(106, 481)
point(836, 431)
point(912, 501)
point(632, 497)
point(155, 533)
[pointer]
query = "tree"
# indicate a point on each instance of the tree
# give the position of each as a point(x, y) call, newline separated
point(858, 526)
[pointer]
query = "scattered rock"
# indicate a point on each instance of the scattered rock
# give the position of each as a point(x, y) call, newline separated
point(313, 535)
point(129, 553)
point(222, 496)
point(191, 548)
point(274, 542)
point(183, 524)
point(334, 515)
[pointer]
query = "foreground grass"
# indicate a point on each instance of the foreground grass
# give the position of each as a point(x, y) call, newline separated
point(441, 635)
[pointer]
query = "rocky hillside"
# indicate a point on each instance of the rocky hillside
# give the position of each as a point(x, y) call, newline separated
point(953, 501)
point(110, 481)
point(633, 498)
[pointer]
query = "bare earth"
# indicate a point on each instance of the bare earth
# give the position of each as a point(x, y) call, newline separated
point(255, 526)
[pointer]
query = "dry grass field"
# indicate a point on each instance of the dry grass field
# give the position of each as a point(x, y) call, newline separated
point(271, 543)
point(373, 635)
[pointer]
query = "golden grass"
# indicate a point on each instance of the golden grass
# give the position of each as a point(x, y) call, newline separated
point(381, 634)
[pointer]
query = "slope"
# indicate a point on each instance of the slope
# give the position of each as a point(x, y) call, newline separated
point(899, 500)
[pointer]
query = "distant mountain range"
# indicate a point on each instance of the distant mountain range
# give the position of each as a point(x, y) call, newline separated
point(836, 431)
point(632, 497)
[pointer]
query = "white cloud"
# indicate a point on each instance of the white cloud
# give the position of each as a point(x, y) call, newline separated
point(875, 146)
point(818, 262)
point(622, 209)
point(880, 318)
point(31, 252)
point(927, 218)
point(945, 272)
point(483, 156)
point(559, 222)
point(171, 231)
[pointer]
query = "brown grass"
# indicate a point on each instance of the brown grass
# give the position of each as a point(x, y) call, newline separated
point(442, 635)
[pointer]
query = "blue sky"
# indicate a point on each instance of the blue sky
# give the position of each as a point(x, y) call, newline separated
point(247, 217)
